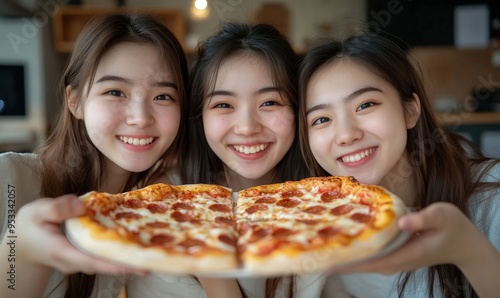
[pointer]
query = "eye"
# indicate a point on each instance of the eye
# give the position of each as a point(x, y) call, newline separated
point(222, 106)
point(365, 105)
point(321, 120)
point(270, 103)
point(164, 97)
point(114, 93)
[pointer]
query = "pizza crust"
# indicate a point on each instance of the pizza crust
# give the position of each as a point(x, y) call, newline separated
point(108, 245)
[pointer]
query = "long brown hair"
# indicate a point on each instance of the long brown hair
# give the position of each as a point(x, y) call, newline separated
point(201, 164)
point(70, 162)
point(446, 165)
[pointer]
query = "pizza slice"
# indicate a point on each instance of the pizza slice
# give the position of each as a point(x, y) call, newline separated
point(160, 227)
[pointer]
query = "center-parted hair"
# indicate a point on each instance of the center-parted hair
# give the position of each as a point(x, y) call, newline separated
point(70, 163)
point(265, 42)
point(445, 166)
point(262, 41)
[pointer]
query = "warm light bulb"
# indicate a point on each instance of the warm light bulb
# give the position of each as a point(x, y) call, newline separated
point(200, 4)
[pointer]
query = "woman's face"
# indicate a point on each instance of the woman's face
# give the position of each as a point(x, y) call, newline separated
point(355, 122)
point(247, 123)
point(132, 112)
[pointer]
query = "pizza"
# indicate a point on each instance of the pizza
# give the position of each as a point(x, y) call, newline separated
point(283, 228)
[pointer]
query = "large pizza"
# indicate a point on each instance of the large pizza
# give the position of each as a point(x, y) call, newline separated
point(284, 228)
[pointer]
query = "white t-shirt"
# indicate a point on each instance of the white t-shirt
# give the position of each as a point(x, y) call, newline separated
point(484, 208)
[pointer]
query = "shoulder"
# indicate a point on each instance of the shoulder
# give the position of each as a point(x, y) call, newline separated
point(13, 159)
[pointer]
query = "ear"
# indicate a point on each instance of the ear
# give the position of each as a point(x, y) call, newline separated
point(72, 102)
point(413, 111)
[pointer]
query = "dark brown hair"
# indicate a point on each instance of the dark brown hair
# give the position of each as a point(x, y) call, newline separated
point(447, 171)
point(70, 162)
point(266, 42)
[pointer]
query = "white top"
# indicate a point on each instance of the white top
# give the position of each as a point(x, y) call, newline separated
point(484, 210)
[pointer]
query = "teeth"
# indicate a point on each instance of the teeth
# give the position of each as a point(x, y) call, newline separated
point(136, 141)
point(357, 156)
point(250, 149)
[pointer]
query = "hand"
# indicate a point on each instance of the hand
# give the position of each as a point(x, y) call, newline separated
point(41, 241)
point(441, 234)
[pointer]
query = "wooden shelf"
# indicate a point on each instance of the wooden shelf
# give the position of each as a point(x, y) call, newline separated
point(463, 118)
point(70, 20)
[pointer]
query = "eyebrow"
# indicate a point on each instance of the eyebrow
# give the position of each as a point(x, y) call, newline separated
point(347, 99)
point(229, 93)
point(127, 81)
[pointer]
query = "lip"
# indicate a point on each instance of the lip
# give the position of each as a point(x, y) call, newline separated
point(140, 143)
point(358, 154)
point(251, 151)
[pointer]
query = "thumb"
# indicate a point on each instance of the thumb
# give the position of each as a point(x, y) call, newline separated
point(59, 209)
point(429, 218)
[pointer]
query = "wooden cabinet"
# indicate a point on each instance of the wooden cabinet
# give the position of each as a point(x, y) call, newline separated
point(69, 21)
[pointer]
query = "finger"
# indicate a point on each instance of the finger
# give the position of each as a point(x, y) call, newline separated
point(429, 218)
point(59, 209)
point(71, 260)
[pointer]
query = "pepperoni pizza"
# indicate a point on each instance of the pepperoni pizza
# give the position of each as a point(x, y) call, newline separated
point(291, 227)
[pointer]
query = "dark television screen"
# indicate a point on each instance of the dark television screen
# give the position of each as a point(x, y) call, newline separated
point(12, 93)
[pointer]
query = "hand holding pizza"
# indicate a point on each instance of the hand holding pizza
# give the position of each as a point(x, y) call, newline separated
point(442, 235)
point(41, 241)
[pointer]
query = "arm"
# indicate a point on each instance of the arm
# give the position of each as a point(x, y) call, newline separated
point(442, 235)
point(221, 288)
point(41, 246)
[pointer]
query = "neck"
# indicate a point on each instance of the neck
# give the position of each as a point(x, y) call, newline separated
point(113, 179)
point(237, 182)
point(400, 181)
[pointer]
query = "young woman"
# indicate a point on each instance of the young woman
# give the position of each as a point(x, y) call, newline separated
point(121, 124)
point(364, 113)
point(242, 124)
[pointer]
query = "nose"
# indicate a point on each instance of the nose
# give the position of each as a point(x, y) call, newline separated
point(347, 132)
point(247, 122)
point(139, 113)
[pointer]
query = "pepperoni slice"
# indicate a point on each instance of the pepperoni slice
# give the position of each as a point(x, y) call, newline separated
point(157, 208)
point(315, 210)
point(183, 205)
point(225, 221)
point(292, 193)
point(180, 216)
point(266, 200)
point(288, 203)
point(282, 233)
point(220, 208)
point(259, 233)
point(255, 208)
point(328, 232)
point(227, 239)
point(134, 203)
point(342, 209)
point(188, 243)
point(186, 195)
point(127, 215)
point(329, 196)
point(243, 228)
point(361, 217)
point(158, 224)
point(162, 239)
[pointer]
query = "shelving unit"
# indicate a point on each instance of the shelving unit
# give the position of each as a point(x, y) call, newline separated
point(69, 21)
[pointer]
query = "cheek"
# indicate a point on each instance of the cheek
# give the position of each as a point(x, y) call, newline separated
point(170, 121)
point(215, 126)
point(320, 144)
point(281, 122)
